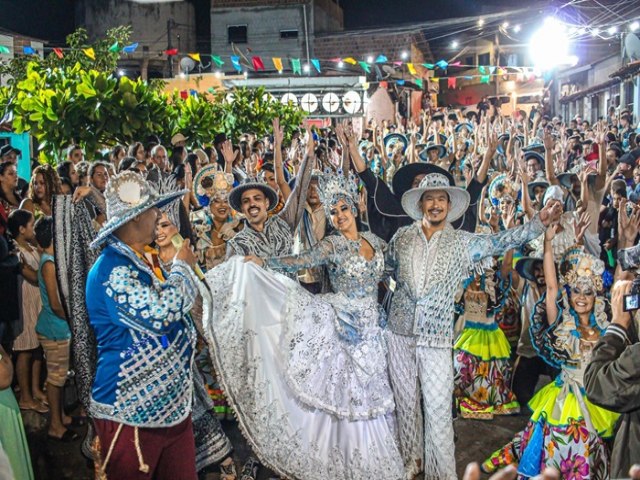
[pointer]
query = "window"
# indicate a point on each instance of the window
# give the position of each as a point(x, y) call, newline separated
point(237, 34)
point(470, 60)
point(288, 34)
point(484, 59)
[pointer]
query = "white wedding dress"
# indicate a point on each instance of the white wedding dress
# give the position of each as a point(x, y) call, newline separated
point(307, 375)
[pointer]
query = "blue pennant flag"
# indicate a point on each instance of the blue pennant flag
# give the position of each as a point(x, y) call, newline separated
point(130, 48)
point(381, 59)
point(28, 50)
point(235, 60)
point(442, 64)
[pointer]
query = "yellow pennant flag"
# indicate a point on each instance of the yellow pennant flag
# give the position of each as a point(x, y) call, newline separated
point(350, 60)
point(412, 69)
point(195, 56)
point(89, 52)
point(434, 79)
point(277, 63)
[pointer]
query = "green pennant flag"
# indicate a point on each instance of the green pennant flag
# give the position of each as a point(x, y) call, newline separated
point(114, 47)
point(295, 66)
point(429, 66)
point(217, 60)
point(365, 66)
point(481, 69)
point(485, 78)
point(419, 82)
point(4, 49)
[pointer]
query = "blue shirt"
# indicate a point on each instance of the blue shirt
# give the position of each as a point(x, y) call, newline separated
point(145, 339)
point(49, 324)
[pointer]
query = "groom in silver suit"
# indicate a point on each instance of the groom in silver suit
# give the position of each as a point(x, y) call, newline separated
point(430, 259)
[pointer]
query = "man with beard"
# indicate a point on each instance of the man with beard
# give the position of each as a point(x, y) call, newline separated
point(266, 236)
point(430, 259)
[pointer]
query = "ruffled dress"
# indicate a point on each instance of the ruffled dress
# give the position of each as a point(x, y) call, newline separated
point(566, 431)
point(482, 353)
point(307, 375)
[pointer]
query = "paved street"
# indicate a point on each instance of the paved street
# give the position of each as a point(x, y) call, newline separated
point(54, 460)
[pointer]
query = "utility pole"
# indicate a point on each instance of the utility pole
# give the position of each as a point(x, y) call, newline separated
point(170, 25)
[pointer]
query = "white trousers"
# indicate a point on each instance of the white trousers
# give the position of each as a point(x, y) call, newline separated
point(428, 371)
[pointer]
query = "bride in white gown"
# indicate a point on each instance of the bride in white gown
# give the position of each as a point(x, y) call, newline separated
point(307, 375)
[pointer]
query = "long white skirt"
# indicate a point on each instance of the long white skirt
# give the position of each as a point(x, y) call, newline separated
point(324, 411)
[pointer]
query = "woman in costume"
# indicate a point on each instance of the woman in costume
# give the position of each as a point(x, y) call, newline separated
point(307, 375)
point(482, 352)
point(565, 431)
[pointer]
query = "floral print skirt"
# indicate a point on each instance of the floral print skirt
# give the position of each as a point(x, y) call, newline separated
point(557, 436)
point(483, 372)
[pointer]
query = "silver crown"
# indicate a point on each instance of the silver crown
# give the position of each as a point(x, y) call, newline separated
point(333, 187)
point(164, 186)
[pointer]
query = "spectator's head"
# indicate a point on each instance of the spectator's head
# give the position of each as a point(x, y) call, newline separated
point(9, 154)
point(99, 176)
point(44, 184)
point(136, 150)
point(178, 154)
point(8, 177)
point(66, 187)
point(68, 170)
point(159, 158)
point(75, 154)
point(618, 193)
point(44, 233)
point(82, 169)
point(20, 225)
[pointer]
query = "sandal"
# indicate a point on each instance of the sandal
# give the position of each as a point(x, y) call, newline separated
point(67, 437)
point(228, 472)
point(39, 408)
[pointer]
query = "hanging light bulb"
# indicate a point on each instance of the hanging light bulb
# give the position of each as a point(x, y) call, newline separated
point(634, 26)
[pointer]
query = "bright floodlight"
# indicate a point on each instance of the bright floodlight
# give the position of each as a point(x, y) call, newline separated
point(454, 44)
point(634, 26)
point(595, 32)
point(306, 68)
point(340, 64)
point(505, 25)
point(369, 59)
point(582, 31)
point(549, 46)
point(120, 73)
point(404, 55)
point(612, 30)
point(481, 22)
point(517, 28)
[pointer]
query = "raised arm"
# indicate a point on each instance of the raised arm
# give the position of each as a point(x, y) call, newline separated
point(321, 254)
point(601, 140)
point(549, 145)
point(278, 136)
point(293, 208)
point(550, 276)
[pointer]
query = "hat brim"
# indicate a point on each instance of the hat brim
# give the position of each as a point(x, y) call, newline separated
point(403, 178)
point(424, 154)
point(235, 196)
point(459, 200)
point(114, 224)
point(525, 266)
point(532, 185)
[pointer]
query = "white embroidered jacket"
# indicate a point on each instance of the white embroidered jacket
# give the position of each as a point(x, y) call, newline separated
point(428, 272)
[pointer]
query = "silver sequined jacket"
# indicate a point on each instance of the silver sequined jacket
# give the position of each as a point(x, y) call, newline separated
point(428, 273)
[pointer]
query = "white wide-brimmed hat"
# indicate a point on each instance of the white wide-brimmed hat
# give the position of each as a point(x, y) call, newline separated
point(128, 195)
point(442, 181)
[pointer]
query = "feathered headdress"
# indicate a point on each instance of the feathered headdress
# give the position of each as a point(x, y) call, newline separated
point(333, 187)
point(164, 186)
point(578, 268)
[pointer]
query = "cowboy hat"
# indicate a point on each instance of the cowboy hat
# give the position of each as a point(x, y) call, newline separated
point(442, 151)
point(127, 196)
point(525, 266)
point(235, 196)
point(404, 177)
point(438, 180)
point(394, 138)
point(536, 183)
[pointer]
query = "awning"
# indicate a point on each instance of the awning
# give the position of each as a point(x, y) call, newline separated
point(588, 91)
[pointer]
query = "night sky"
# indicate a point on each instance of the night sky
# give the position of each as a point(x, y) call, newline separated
point(54, 19)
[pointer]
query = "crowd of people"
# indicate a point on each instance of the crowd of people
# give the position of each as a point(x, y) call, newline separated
point(342, 294)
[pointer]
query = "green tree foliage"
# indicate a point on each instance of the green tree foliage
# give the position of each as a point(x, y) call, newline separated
point(79, 100)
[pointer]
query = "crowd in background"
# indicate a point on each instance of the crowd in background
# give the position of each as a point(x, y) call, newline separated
point(534, 313)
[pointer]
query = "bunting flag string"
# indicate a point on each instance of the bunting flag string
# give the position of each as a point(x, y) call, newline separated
point(29, 51)
point(89, 52)
point(217, 60)
point(58, 52)
point(451, 82)
point(277, 63)
point(195, 56)
point(235, 61)
point(113, 48)
point(4, 49)
point(350, 60)
point(412, 69)
point(131, 48)
point(172, 52)
point(365, 66)
point(295, 66)
point(381, 59)
point(316, 64)
point(257, 63)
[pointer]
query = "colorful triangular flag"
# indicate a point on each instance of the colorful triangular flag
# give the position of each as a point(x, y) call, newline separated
point(58, 52)
point(29, 50)
point(365, 66)
point(171, 52)
point(257, 62)
point(418, 82)
point(381, 59)
point(400, 82)
point(277, 63)
point(435, 79)
point(316, 64)
point(455, 64)
point(491, 70)
point(295, 66)
point(3, 49)
point(451, 82)
point(428, 66)
point(195, 56)
point(89, 52)
point(485, 79)
point(442, 64)
point(350, 60)
point(235, 61)
point(482, 70)
point(412, 69)
point(114, 47)
point(130, 48)
point(217, 60)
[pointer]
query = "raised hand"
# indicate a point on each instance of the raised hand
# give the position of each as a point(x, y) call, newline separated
point(581, 225)
point(278, 133)
point(551, 213)
point(227, 152)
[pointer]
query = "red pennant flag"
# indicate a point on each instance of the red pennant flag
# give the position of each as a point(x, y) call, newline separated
point(384, 84)
point(451, 82)
point(58, 52)
point(171, 52)
point(184, 94)
point(257, 63)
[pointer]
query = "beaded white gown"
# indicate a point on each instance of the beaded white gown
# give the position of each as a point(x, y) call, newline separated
point(307, 375)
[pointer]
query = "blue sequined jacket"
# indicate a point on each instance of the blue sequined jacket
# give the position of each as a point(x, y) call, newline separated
point(145, 339)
